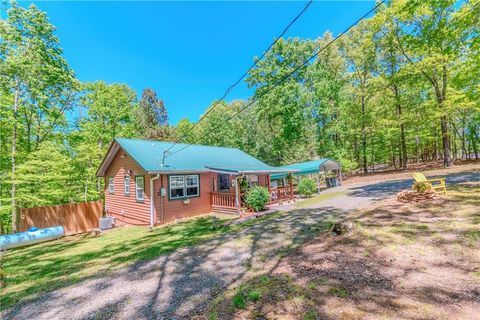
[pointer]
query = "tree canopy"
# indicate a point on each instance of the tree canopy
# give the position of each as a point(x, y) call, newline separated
point(401, 87)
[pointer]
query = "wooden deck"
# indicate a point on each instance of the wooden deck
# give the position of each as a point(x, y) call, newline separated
point(224, 202)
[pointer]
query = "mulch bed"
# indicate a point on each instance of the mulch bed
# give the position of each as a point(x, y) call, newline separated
point(413, 196)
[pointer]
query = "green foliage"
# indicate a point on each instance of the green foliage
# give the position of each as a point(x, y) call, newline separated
point(254, 295)
point(422, 187)
point(401, 87)
point(239, 301)
point(152, 117)
point(307, 187)
point(244, 294)
point(46, 178)
point(257, 197)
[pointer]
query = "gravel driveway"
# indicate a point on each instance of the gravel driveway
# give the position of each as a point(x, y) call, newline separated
point(178, 285)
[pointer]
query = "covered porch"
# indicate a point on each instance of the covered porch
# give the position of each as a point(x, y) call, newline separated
point(325, 172)
point(233, 199)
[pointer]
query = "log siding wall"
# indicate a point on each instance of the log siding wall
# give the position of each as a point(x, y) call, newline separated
point(126, 207)
point(176, 208)
point(131, 211)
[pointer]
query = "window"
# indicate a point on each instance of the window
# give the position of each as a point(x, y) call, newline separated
point(111, 186)
point(126, 185)
point(252, 180)
point(184, 186)
point(192, 185)
point(223, 182)
point(139, 188)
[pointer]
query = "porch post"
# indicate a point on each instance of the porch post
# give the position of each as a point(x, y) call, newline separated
point(237, 196)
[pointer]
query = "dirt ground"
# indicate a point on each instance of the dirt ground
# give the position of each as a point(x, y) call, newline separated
point(403, 261)
point(430, 169)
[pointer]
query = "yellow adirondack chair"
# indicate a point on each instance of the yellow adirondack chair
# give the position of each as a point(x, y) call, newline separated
point(440, 183)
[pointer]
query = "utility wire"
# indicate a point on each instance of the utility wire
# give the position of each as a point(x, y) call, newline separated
point(243, 75)
point(276, 84)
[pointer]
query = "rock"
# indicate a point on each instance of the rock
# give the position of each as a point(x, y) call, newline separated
point(343, 227)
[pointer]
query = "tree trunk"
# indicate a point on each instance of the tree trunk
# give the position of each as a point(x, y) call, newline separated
point(364, 137)
point(474, 145)
point(14, 153)
point(403, 159)
point(394, 163)
point(447, 156)
point(417, 142)
point(404, 146)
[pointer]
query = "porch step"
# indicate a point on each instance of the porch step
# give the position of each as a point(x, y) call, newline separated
point(220, 209)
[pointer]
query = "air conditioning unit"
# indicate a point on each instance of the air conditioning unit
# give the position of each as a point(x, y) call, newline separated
point(106, 223)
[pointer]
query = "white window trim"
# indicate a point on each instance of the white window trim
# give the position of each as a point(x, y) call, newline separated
point(137, 188)
point(185, 186)
point(197, 185)
point(126, 186)
point(111, 185)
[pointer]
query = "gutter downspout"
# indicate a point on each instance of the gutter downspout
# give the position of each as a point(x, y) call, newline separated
point(152, 199)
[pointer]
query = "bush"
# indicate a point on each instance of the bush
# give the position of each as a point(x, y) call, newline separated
point(307, 187)
point(257, 197)
point(422, 187)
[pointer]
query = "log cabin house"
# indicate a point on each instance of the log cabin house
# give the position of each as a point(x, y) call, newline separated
point(146, 185)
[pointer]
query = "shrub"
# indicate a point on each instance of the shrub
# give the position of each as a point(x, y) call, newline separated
point(421, 187)
point(307, 187)
point(257, 197)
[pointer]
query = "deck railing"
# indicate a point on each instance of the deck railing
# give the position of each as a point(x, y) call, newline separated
point(227, 199)
point(281, 193)
point(223, 199)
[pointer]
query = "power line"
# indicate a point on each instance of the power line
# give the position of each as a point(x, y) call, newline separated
point(243, 75)
point(290, 73)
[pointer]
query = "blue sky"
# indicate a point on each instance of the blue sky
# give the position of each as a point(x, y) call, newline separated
point(189, 52)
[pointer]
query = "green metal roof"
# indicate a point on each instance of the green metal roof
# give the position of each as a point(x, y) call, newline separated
point(149, 154)
point(303, 168)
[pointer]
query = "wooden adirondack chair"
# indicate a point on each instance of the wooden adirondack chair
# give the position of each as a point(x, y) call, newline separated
point(440, 183)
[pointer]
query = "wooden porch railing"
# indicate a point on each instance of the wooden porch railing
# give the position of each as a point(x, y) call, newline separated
point(226, 200)
point(281, 193)
point(222, 199)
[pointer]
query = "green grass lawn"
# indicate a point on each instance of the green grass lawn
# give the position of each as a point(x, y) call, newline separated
point(54, 264)
point(317, 199)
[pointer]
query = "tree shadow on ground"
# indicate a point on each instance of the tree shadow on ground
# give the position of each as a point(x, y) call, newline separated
point(382, 190)
point(180, 283)
point(402, 262)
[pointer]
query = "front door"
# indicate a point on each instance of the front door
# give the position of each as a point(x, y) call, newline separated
point(223, 182)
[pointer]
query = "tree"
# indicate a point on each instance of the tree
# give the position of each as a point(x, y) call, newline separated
point(283, 107)
point(360, 51)
point(110, 113)
point(35, 76)
point(46, 178)
point(152, 117)
point(431, 38)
